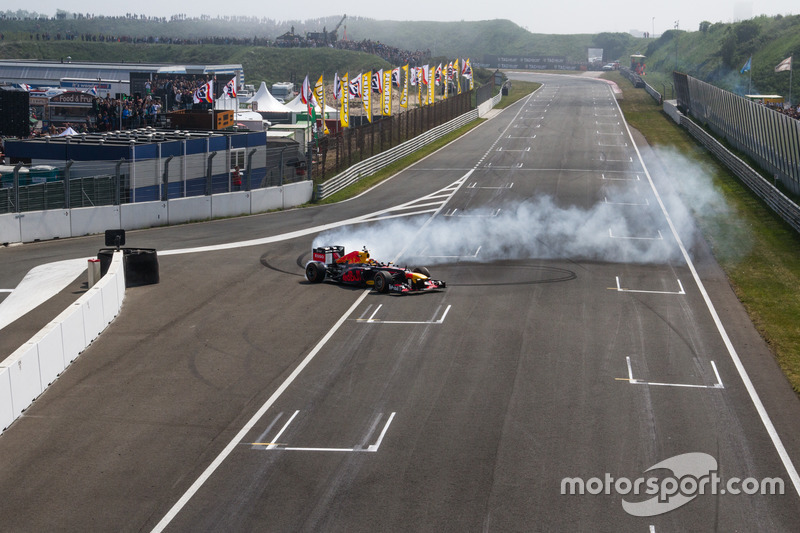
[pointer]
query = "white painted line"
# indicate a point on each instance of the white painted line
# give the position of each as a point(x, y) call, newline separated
point(263, 436)
point(474, 185)
point(453, 214)
point(609, 133)
point(278, 436)
point(632, 381)
point(652, 529)
point(680, 292)
point(373, 320)
point(603, 176)
point(659, 238)
point(200, 481)
point(646, 202)
point(623, 145)
point(751, 390)
point(6, 290)
point(374, 447)
point(375, 313)
point(716, 373)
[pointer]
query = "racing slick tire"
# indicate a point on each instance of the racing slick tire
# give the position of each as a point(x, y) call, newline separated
point(424, 271)
point(315, 272)
point(382, 282)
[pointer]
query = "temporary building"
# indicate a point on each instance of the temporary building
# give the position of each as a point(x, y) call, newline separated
point(266, 103)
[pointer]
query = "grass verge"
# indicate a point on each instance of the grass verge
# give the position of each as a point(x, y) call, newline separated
point(758, 251)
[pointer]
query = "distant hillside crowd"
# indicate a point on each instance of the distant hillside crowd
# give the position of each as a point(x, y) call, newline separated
point(391, 54)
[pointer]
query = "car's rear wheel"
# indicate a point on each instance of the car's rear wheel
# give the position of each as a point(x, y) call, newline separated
point(315, 272)
point(382, 282)
point(424, 271)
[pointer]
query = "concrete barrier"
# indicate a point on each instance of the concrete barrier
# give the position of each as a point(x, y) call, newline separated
point(263, 200)
point(143, 215)
point(62, 223)
point(90, 220)
point(192, 209)
point(27, 372)
point(297, 193)
point(231, 204)
point(10, 230)
point(43, 225)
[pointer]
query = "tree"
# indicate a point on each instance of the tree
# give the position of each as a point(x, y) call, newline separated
point(704, 26)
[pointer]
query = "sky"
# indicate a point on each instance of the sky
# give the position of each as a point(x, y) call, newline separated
point(576, 16)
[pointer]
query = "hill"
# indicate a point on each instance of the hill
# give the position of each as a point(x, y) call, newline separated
point(716, 53)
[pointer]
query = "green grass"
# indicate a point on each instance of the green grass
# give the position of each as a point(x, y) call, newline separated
point(519, 90)
point(757, 250)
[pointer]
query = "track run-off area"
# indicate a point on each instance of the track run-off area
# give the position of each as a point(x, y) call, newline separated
point(588, 367)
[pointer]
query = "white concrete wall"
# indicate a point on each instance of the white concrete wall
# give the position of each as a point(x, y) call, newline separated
point(192, 209)
point(230, 204)
point(91, 220)
point(10, 230)
point(144, 215)
point(62, 223)
point(27, 372)
point(42, 225)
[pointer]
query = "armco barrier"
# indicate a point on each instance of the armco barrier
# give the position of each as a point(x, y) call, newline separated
point(775, 199)
point(27, 372)
point(375, 163)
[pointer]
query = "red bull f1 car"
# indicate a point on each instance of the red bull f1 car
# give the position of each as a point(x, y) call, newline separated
point(358, 269)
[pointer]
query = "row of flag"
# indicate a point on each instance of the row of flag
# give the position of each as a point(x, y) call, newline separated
point(205, 92)
point(783, 66)
point(381, 82)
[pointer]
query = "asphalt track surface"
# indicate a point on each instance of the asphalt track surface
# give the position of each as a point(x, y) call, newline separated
point(574, 340)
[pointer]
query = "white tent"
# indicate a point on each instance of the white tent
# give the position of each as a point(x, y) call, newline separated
point(297, 106)
point(68, 131)
point(265, 102)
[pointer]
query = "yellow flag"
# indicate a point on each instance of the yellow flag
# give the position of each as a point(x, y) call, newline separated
point(404, 92)
point(344, 111)
point(457, 76)
point(366, 93)
point(319, 95)
point(386, 108)
point(431, 85)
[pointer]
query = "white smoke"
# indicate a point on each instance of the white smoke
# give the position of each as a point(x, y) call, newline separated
point(625, 224)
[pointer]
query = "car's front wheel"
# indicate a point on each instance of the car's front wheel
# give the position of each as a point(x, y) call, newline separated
point(382, 282)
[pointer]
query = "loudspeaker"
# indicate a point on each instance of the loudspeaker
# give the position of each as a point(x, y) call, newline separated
point(14, 112)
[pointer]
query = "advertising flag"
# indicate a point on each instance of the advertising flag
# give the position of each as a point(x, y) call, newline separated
point(366, 99)
point(305, 92)
point(319, 96)
point(414, 76)
point(386, 97)
point(437, 77)
point(456, 74)
point(418, 70)
point(377, 82)
point(404, 92)
point(355, 87)
point(344, 111)
point(784, 65)
point(467, 72)
point(337, 87)
point(204, 93)
point(396, 77)
point(431, 86)
point(230, 88)
point(746, 67)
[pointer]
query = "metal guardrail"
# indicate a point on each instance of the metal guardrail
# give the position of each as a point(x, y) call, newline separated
point(652, 92)
point(775, 199)
point(375, 163)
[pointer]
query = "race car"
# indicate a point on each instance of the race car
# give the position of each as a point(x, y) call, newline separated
point(358, 269)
